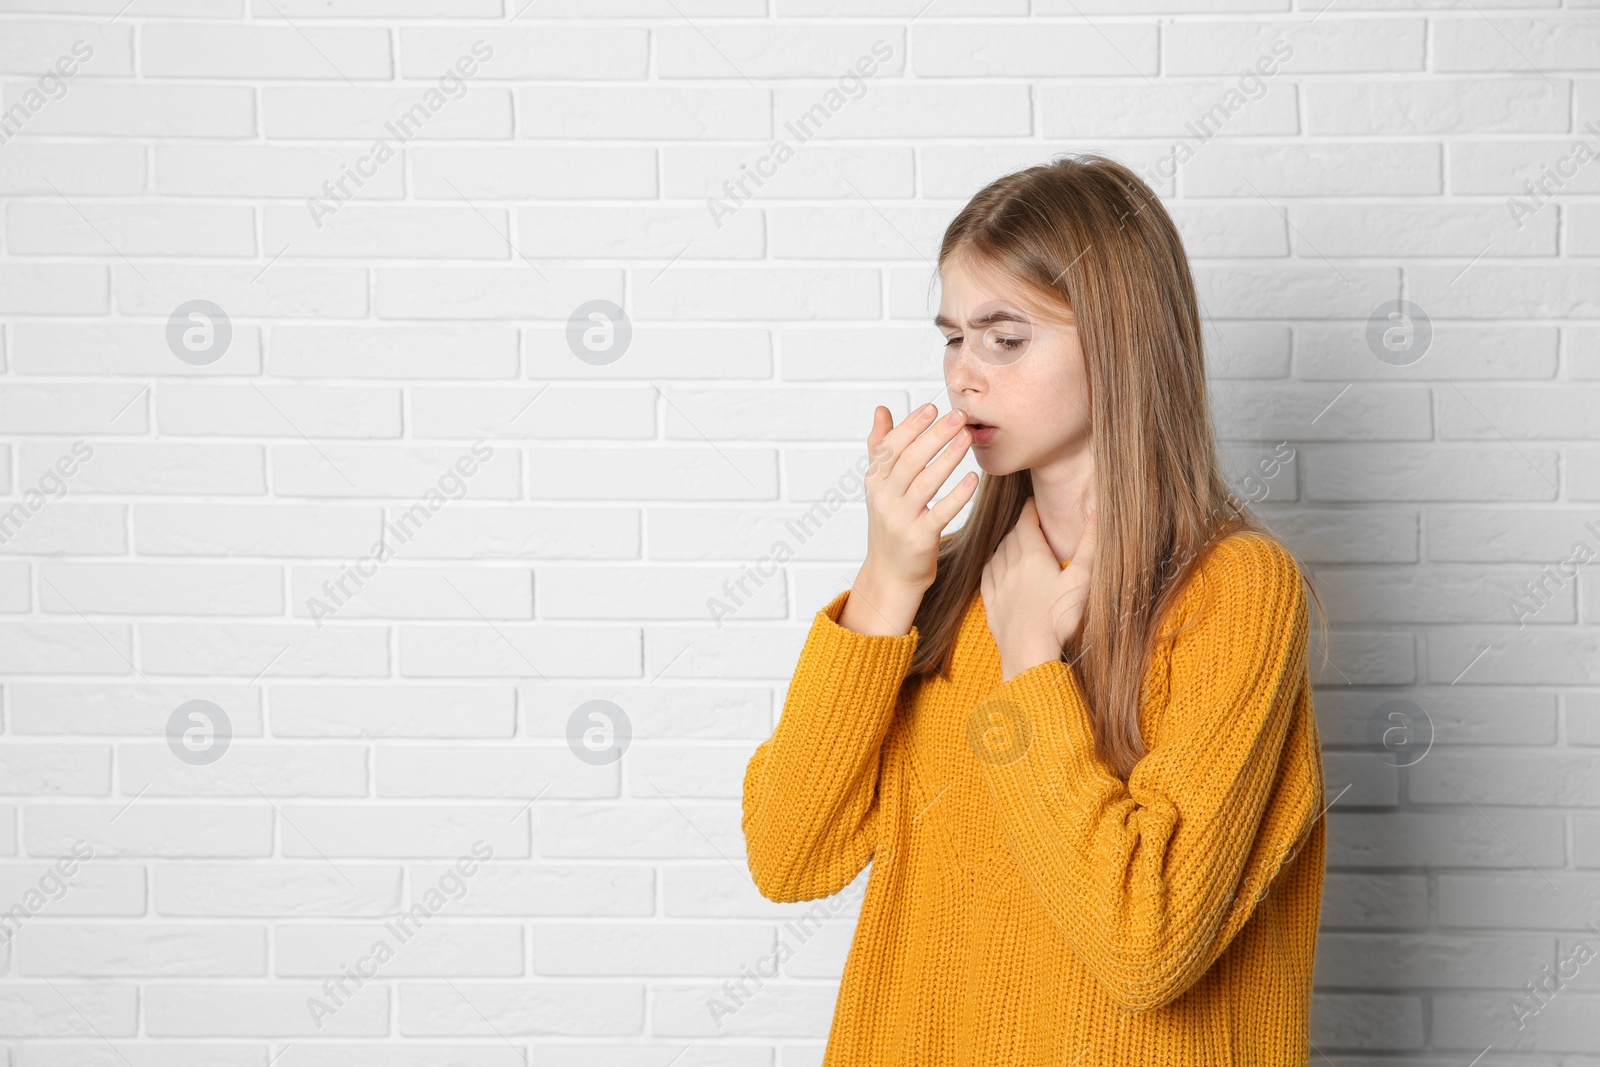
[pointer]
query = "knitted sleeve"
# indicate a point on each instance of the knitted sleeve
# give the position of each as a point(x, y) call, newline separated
point(1151, 879)
point(811, 789)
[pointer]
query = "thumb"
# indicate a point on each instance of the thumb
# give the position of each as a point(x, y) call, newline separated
point(1029, 533)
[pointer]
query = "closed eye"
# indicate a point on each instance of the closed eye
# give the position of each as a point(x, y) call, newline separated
point(1006, 342)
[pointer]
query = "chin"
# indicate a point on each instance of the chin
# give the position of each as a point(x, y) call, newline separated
point(997, 463)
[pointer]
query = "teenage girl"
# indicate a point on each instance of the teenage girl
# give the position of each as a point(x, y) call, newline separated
point(1075, 737)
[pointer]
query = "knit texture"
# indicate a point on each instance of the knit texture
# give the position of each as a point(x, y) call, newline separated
point(1026, 906)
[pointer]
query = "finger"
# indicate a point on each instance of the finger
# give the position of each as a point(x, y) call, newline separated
point(915, 456)
point(950, 505)
point(882, 423)
point(1006, 552)
point(1030, 535)
point(896, 440)
point(924, 485)
point(995, 569)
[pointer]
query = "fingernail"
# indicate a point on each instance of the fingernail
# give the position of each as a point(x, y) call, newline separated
point(925, 411)
point(956, 416)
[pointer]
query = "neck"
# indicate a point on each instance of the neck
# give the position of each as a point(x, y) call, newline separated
point(1058, 493)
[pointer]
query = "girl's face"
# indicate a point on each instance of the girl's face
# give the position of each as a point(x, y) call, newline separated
point(1014, 371)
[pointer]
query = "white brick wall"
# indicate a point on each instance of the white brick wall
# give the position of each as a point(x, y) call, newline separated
point(373, 740)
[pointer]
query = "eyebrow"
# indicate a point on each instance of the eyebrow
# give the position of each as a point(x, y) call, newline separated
point(982, 320)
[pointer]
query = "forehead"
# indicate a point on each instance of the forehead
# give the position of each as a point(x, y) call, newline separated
point(976, 294)
point(973, 295)
point(985, 314)
point(975, 310)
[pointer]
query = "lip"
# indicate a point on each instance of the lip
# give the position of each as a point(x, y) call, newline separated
point(982, 433)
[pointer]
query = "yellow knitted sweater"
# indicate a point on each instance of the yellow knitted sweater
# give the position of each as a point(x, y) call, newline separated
point(1028, 907)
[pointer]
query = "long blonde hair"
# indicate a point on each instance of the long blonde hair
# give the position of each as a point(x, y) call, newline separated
point(1085, 233)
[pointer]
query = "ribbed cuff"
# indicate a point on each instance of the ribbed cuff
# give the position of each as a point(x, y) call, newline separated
point(868, 666)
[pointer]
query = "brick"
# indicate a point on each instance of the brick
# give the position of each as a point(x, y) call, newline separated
point(133, 110)
point(265, 649)
point(247, 770)
point(1516, 44)
point(55, 770)
point(199, 51)
point(32, 48)
point(75, 409)
point(393, 352)
point(161, 589)
point(53, 289)
point(131, 229)
point(544, 411)
point(475, 112)
point(526, 52)
point(87, 1010)
point(521, 1008)
point(232, 470)
point(123, 350)
point(402, 592)
point(1346, 46)
point(1212, 107)
point(373, 711)
point(277, 170)
point(432, 949)
point(297, 411)
point(143, 949)
point(255, 530)
point(1437, 106)
point(500, 771)
point(362, 232)
point(70, 709)
point(1015, 50)
point(31, 169)
point(259, 1009)
point(281, 889)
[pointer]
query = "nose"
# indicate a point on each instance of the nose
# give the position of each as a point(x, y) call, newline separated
point(963, 372)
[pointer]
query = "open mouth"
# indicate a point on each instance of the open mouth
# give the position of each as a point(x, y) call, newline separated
point(982, 432)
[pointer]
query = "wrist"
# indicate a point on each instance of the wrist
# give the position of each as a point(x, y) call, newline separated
point(880, 607)
point(1025, 659)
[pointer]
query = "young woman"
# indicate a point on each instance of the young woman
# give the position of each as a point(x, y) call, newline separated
point(1074, 737)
